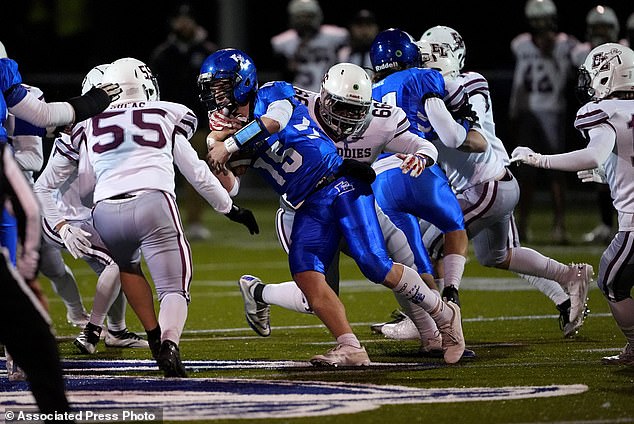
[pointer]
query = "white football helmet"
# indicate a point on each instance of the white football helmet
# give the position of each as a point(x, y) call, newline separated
point(602, 25)
point(346, 97)
point(446, 35)
point(439, 56)
point(3, 51)
point(135, 79)
point(608, 68)
point(93, 78)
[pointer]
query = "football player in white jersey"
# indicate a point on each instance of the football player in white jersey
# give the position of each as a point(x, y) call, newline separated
point(361, 129)
point(606, 78)
point(308, 48)
point(132, 147)
point(602, 26)
point(543, 69)
point(67, 222)
point(488, 192)
point(472, 176)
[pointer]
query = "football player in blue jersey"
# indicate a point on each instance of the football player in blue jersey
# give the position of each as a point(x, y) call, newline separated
point(422, 94)
point(332, 197)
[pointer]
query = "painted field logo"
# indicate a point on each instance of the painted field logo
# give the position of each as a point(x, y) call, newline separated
point(211, 398)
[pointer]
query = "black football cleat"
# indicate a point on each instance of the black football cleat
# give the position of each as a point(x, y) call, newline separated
point(169, 360)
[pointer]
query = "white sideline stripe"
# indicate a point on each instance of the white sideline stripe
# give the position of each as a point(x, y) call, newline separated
point(365, 324)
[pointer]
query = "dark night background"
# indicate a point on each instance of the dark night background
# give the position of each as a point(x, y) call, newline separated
point(57, 41)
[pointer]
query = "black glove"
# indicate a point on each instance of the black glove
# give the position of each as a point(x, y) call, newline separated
point(466, 114)
point(359, 170)
point(245, 217)
point(95, 101)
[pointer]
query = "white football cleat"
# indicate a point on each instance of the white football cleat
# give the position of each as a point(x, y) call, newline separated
point(342, 356)
point(400, 328)
point(258, 314)
point(577, 288)
point(125, 339)
point(453, 344)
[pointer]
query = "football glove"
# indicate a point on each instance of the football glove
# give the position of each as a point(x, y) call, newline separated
point(95, 101)
point(466, 114)
point(414, 164)
point(75, 239)
point(596, 175)
point(245, 217)
point(356, 169)
point(528, 156)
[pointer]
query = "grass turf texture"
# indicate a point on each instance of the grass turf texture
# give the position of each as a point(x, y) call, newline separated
point(515, 333)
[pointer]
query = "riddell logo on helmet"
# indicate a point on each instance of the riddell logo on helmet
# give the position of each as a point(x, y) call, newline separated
point(386, 66)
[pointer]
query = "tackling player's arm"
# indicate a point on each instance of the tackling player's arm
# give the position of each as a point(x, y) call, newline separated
point(208, 186)
point(409, 145)
point(29, 107)
point(602, 141)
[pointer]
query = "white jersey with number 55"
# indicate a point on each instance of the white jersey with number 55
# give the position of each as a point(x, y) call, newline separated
point(133, 146)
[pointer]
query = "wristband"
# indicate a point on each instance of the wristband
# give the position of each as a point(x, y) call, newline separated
point(231, 145)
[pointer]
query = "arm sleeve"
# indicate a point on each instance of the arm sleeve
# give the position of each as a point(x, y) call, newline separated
point(450, 133)
point(42, 114)
point(199, 175)
point(602, 140)
point(58, 170)
point(408, 142)
point(280, 111)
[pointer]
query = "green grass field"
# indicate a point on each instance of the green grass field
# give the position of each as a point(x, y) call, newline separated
point(514, 332)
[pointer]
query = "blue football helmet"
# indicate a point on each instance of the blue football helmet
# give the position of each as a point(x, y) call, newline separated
point(228, 79)
point(394, 49)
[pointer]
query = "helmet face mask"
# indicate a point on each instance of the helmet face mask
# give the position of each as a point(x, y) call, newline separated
point(345, 98)
point(217, 94)
point(228, 79)
point(135, 78)
point(608, 68)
